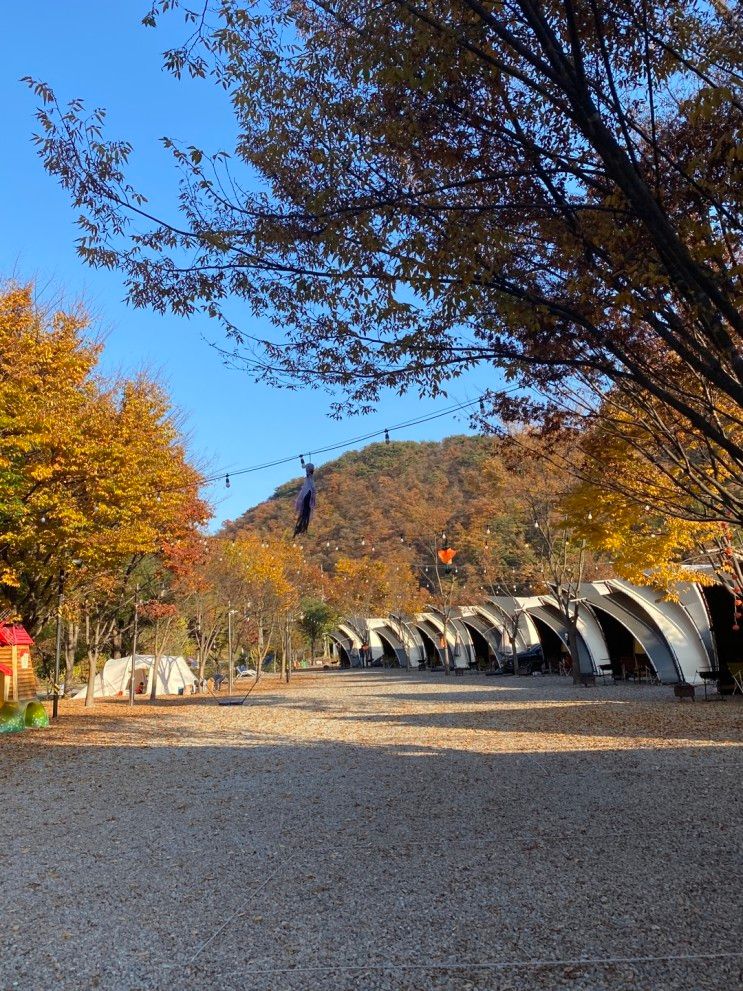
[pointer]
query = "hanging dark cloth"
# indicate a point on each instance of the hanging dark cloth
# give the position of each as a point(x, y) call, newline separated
point(305, 502)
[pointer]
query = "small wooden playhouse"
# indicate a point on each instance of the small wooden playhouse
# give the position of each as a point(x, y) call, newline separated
point(17, 678)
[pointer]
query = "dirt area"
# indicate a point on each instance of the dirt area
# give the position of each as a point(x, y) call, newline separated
point(377, 830)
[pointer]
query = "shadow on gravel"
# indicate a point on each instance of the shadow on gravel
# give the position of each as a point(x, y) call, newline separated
point(335, 865)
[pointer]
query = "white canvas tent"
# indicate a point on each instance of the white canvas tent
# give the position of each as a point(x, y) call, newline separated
point(172, 673)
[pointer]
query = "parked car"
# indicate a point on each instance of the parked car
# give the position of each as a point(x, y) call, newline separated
point(529, 661)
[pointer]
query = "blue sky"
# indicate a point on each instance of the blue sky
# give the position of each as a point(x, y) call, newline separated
point(100, 52)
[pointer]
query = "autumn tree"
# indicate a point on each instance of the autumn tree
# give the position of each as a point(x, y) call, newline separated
point(200, 597)
point(315, 620)
point(540, 187)
point(94, 475)
point(554, 557)
point(359, 587)
point(261, 580)
point(645, 499)
point(164, 631)
point(49, 406)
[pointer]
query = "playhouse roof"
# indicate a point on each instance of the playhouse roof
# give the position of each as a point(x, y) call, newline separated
point(13, 635)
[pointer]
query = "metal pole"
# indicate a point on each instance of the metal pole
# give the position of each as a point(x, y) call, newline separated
point(230, 672)
point(58, 648)
point(134, 644)
point(289, 658)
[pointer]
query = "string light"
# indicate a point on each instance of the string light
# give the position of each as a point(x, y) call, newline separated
point(449, 411)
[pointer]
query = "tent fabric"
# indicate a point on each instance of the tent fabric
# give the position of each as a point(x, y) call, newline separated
point(172, 673)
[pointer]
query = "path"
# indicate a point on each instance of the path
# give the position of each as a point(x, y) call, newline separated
point(377, 831)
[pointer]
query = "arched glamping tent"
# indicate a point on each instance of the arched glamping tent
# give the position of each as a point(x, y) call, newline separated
point(386, 644)
point(461, 648)
point(347, 641)
point(486, 637)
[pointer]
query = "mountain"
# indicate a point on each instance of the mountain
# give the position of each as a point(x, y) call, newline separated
point(382, 493)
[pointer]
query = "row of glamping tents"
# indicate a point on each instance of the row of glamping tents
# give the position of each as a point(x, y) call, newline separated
point(623, 629)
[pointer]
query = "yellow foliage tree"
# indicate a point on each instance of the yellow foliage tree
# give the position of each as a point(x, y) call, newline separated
point(640, 496)
point(367, 586)
point(91, 471)
point(259, 580)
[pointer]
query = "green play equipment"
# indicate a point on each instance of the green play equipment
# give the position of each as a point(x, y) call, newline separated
point(11, 717)
point(36, 716)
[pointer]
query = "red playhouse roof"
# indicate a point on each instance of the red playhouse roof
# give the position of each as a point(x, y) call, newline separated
point(4, 669)
point(13, 635)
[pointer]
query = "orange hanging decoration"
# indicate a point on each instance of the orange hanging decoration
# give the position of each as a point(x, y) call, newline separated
point(446, 556)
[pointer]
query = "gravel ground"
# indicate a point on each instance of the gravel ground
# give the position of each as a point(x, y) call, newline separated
point(377, 831)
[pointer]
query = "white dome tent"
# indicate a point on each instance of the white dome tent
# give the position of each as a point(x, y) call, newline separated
point(173, 673)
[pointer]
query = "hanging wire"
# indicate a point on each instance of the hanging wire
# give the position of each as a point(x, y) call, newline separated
point(385, 432)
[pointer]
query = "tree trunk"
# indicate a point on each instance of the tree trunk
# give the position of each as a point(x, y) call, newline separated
point(284, 652)
point(259, 661)
point(512, 638)
point(117, 640)
point(156, 663)
point(72, 633)
point(573, 648)
point(93, 650)
point(447, 650)
point(92, 668)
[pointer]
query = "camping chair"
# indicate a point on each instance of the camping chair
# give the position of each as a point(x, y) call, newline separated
point(648, 672)
point(629, 667)
point(565, 666)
